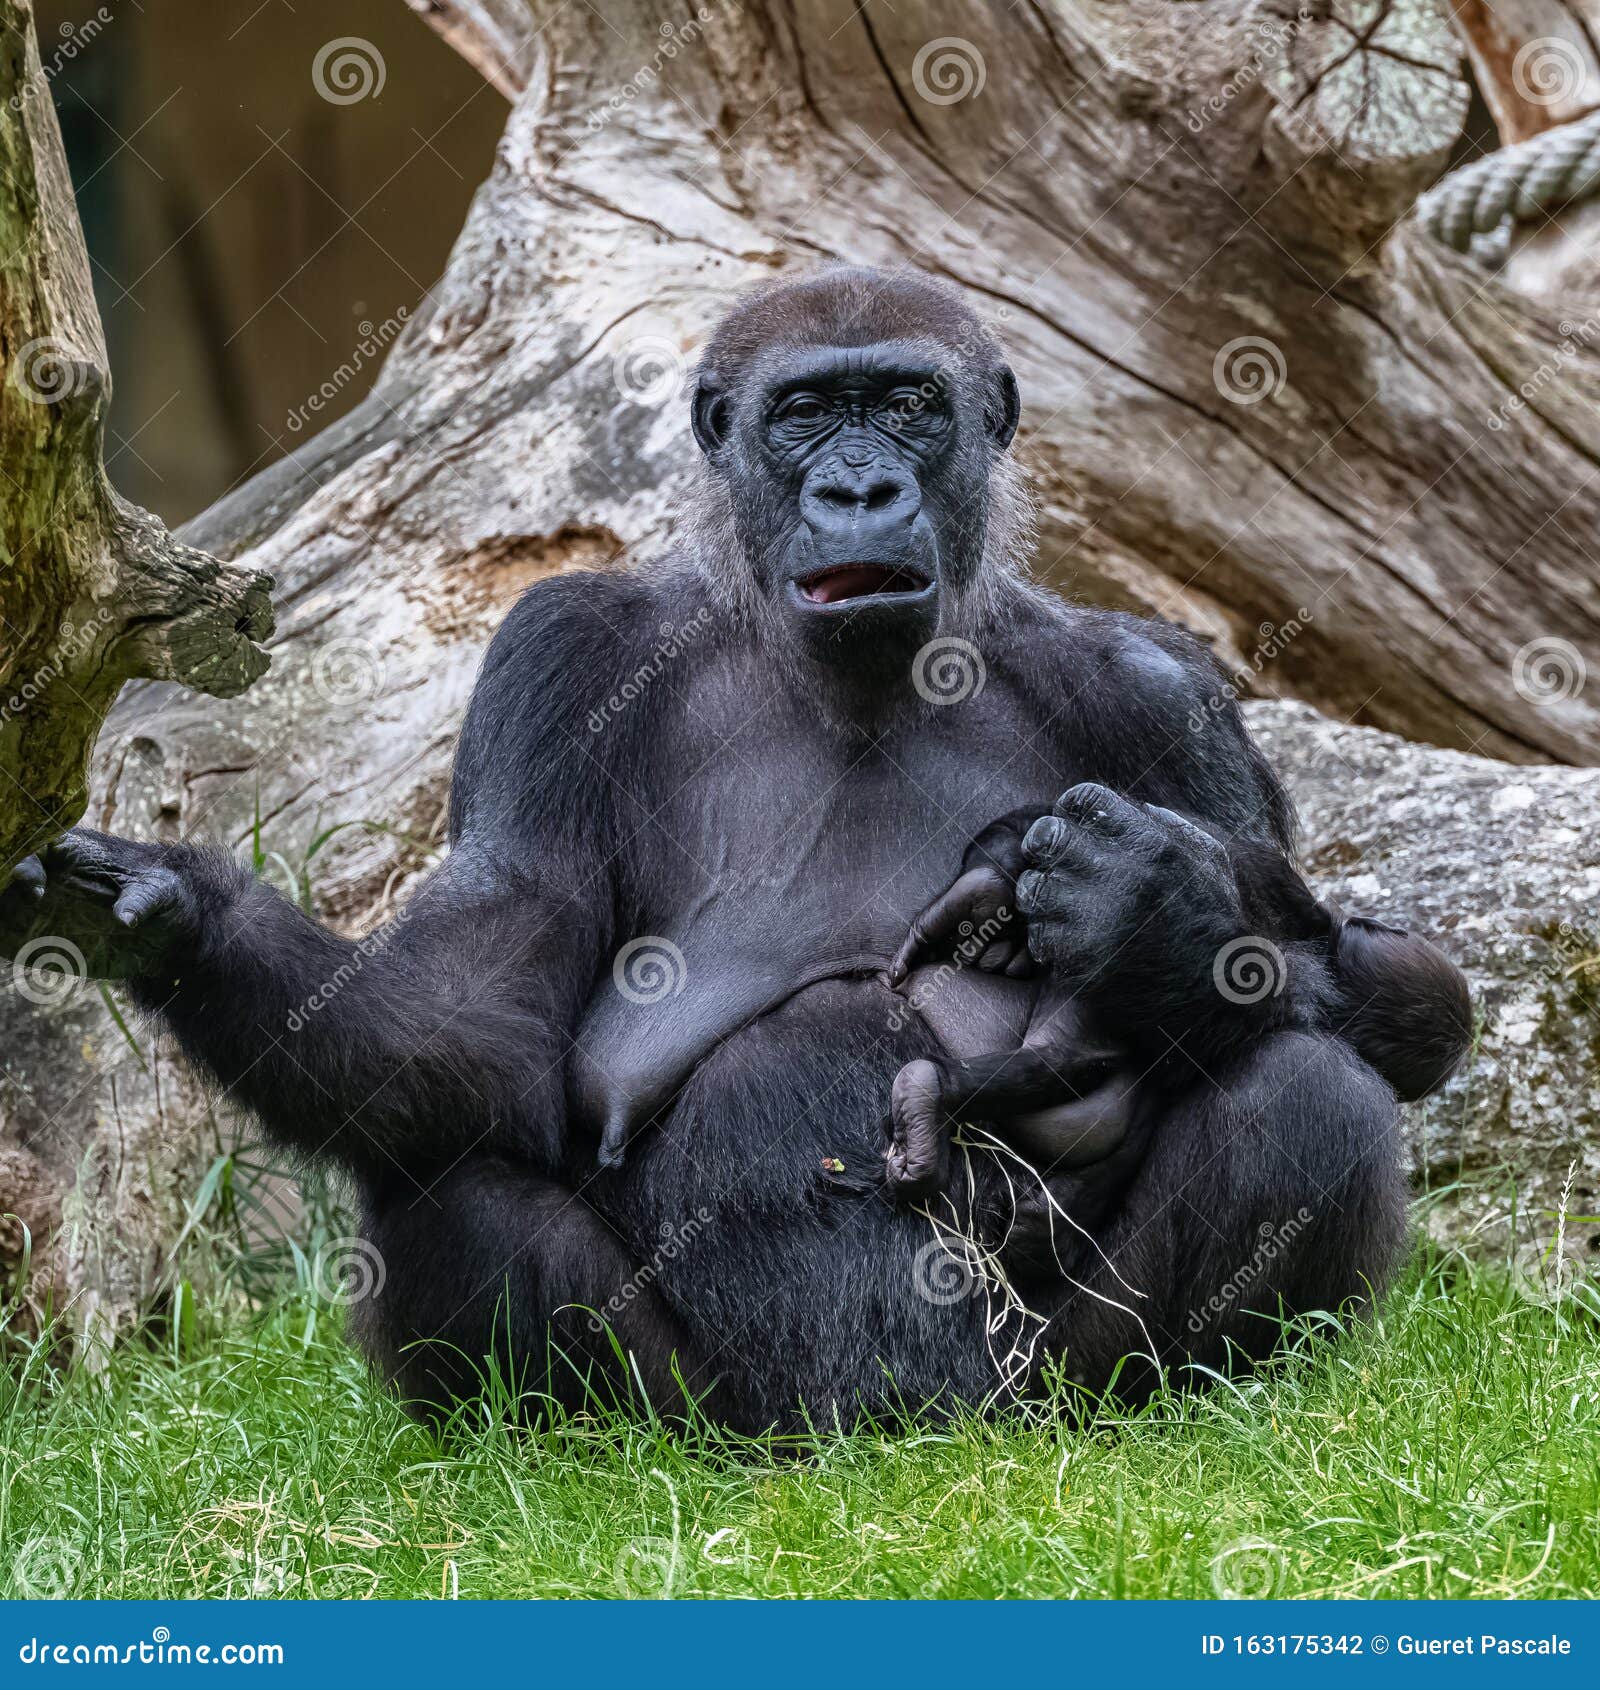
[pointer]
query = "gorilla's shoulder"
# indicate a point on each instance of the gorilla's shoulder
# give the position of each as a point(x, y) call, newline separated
point(1155, 711)
point(1138, 663)
point(582, 609)
point(552, 706)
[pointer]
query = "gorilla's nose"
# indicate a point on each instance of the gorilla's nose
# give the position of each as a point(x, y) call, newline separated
point(853, 510)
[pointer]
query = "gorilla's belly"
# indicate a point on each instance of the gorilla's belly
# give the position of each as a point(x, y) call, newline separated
point(668, 1007)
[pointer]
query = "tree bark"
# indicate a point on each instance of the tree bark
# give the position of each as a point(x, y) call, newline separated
point(1257, 400)
point(1535, 60)
point(93, 591)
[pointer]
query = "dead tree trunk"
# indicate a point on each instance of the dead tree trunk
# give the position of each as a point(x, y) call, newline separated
point(92, 590)
point(1257, 400)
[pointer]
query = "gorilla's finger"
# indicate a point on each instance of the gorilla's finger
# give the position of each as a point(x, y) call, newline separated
point(1055, 946)
point(28, 879)
point(78, 848)
point(1054, 843)
point(79, 868)
point(1205, 844)
point(1102, 811)
point(1049, 896)
point(153, 893)
point(99, 858)
point(995, 958)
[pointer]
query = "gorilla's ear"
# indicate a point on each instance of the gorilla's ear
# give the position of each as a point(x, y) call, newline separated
point(708, 416)
point(1002, 406)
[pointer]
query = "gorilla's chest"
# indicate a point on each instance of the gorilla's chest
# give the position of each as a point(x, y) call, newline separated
point(777, 852)
point(791, 839)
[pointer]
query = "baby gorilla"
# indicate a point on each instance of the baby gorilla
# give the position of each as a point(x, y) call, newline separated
point(1068, 1097)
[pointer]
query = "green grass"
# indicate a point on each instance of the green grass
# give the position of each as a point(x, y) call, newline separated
point(1451, 1448)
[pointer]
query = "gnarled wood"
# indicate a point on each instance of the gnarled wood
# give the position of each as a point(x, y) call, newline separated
point(498, 38)
point(1535, 61)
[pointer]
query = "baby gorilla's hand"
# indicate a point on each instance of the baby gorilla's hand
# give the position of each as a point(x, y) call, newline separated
point(119, 905)
point(975, 922)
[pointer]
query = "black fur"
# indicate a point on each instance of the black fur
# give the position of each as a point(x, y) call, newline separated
point(762, 786)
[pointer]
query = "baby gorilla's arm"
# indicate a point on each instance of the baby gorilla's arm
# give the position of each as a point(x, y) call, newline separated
point(976, 917)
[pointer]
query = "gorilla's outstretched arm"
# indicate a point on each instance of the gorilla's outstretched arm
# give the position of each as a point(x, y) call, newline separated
point(436, 1033)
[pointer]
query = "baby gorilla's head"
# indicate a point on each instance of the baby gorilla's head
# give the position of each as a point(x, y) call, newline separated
point(1407, 1037)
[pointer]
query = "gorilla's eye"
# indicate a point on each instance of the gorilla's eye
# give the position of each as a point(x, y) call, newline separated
point(911, 405)
point(804, 408)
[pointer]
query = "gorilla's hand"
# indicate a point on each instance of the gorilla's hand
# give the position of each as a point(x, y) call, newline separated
point(974, 920)
point(1130, 905)
point(119, 905)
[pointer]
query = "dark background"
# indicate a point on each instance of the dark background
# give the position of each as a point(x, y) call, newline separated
point(242, 229)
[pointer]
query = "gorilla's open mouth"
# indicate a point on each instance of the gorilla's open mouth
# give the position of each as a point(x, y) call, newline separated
point(849, 581)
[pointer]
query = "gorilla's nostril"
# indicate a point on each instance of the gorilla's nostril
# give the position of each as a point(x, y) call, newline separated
point(880, 496)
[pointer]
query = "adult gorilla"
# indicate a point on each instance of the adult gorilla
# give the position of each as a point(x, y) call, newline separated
point(630, 1050)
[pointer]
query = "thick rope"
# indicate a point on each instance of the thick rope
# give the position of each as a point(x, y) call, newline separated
point(1515, 184)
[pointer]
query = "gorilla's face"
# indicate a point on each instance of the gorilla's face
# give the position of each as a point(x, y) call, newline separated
point(858, 480)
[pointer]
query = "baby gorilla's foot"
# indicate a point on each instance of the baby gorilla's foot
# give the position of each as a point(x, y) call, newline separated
point(972, 922)
point(917, 1160)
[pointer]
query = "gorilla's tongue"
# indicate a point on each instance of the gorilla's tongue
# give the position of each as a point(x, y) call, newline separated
point(855, 581)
